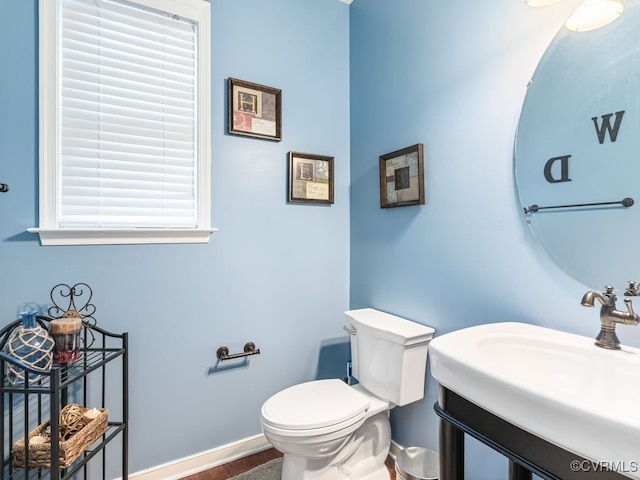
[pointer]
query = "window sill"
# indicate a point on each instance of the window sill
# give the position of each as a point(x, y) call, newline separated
point(112, 236)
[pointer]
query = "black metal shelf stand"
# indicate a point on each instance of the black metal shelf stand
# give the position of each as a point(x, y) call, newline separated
point(84, 381)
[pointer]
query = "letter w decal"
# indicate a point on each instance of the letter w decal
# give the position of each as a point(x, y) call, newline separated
point(606, 127)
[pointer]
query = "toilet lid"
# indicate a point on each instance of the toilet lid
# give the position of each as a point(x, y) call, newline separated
point(314, 404)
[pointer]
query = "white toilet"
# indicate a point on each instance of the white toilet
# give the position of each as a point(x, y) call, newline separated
point(328, 430)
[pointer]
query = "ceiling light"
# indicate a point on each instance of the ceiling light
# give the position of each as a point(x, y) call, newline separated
point(540, 3)
point(594, 14)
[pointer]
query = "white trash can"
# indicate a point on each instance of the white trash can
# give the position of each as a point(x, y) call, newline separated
point(415, 463)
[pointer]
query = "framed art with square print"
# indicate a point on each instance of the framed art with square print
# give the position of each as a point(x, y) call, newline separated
point(310, 178)
point(402, 177)
point(254, 110)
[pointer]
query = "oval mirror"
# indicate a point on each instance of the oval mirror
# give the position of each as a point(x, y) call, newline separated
point(577, 152)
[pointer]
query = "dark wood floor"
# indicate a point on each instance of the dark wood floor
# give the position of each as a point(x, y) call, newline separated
point(223, 472)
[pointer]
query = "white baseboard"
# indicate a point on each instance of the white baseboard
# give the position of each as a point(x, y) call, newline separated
point(215, 457)
point(200, 462)
point(394, 449)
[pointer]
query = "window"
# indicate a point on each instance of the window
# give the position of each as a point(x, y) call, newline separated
point(124, 121)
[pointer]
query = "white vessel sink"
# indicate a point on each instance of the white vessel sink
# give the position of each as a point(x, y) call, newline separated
point(556, 385)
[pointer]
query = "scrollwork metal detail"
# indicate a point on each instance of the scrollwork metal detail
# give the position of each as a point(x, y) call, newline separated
point(78, 298)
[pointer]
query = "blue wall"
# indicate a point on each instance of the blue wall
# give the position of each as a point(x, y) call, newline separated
point(357, 82)
point(274, 274)
point(451, 75)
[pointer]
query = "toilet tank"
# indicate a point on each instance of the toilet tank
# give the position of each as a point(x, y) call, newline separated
point(389, 354)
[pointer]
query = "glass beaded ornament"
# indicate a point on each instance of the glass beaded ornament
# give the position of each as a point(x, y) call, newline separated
point(31, 345)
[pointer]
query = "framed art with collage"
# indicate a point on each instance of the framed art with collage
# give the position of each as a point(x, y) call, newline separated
point(254, 110)
point(310, 178)
point(402, 177)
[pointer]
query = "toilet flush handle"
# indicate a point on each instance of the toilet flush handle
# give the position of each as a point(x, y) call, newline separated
point(350, 331)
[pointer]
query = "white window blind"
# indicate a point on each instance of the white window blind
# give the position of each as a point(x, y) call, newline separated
point(128, 121)
point(127, 117)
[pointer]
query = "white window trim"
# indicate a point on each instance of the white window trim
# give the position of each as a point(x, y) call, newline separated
point(50, 233)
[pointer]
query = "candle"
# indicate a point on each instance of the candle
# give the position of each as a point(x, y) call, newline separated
point(66, 335)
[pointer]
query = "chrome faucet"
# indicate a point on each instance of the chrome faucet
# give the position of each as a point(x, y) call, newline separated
point(609, 316)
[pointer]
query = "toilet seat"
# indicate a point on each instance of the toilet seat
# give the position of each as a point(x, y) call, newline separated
point(316, 408)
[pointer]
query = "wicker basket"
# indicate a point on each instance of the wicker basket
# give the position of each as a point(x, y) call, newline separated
point(70, 450)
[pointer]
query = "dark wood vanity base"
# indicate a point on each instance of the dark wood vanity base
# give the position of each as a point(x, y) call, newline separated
point(527, 453)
